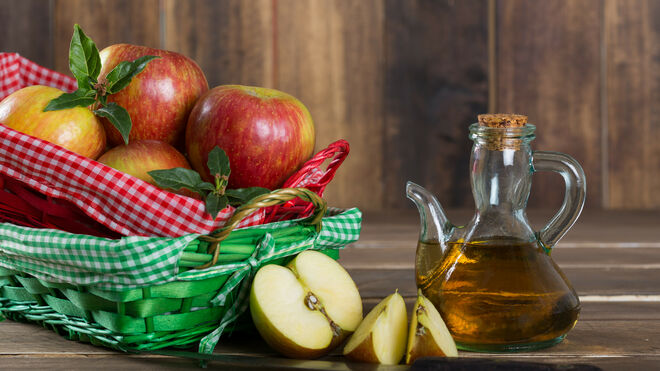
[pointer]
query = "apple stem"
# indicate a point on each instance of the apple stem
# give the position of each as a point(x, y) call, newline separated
point(100, 87)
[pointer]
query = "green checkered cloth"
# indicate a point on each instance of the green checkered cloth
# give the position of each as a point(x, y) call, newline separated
point(133, 262)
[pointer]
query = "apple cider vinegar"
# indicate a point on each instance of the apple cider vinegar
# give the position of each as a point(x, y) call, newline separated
point(500, 294)
point(493, 280)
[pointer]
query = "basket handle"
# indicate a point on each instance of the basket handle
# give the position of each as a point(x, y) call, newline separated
point(276, 197)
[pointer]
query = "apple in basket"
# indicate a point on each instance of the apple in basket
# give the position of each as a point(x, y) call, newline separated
point(160, 98)
point(306, 309)
point(267, 134)
point(76, 129)
point(140, 157)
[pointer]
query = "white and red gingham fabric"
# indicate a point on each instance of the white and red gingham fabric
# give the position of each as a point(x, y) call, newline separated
point(17, 72)
point(120, 202)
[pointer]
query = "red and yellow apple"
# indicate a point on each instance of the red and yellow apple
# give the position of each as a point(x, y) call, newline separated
point(140, 157)
point(159, 98)
point(267, 134)
point(76, 129)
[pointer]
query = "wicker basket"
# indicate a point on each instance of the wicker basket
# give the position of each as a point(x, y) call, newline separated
point(208, 294)
point(69, 266)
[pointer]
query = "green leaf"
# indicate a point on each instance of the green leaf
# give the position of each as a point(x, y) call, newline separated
point(215, 203)
point(118, 116)
point(84, 59)
point(179, 178)
point(121, 75)
point(240, 196)
point(218, 162)
point(79, 98)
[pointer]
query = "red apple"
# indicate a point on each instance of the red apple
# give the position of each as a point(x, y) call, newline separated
point(139, 157)
point(76, 129)
point(267, 134)
point(159, 98)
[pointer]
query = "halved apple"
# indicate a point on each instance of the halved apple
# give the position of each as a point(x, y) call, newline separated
point(428, 334)
point(381, 337)
point(307, 308)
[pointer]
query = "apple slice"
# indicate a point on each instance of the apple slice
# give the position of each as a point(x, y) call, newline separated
point(381, 337)
point(306, 309)
point(428, 334)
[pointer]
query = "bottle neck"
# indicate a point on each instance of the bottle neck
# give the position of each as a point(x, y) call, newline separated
point(501, 178)
point(501, 175)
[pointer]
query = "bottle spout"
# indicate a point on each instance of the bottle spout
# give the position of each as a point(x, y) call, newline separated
point(434, 223)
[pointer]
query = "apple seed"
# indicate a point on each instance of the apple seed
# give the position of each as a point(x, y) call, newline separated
point(312, 303)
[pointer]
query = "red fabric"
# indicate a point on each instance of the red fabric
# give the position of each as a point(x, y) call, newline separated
point(314, 179)
point(45, 185)
point(17, 72)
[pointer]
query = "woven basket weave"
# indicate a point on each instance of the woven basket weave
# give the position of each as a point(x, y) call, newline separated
point(196, 304)
point(68, 268)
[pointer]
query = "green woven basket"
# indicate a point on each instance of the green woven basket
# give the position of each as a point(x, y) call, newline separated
point(146, 293)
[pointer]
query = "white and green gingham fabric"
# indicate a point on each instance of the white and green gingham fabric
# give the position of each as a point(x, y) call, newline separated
point(132, 262)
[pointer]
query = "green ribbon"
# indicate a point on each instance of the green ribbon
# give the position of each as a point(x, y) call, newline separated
point(225, 286)
point(264, 253)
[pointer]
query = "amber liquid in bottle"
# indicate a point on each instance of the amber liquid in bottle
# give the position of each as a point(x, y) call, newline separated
point(500, 292)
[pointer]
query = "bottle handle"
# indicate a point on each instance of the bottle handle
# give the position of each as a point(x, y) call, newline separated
point(576, 190)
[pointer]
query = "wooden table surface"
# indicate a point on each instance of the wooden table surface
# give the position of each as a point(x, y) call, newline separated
point(612, 259)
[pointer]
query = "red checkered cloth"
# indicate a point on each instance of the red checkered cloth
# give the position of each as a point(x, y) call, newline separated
point(17, 72)
point(120, 202)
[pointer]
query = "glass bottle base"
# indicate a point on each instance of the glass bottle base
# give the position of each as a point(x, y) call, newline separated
point(509, 348)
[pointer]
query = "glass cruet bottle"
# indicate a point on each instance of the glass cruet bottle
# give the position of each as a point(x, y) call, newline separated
point(493, 280)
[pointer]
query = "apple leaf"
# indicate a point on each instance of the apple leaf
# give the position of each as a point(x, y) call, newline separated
point(216, 196)
point(179, 177)
point(79, 98)
point(218, 162)
point(85, 65)
point(121, 75)
point(215, 203)
point(118, 116)
point(84, 59)
point(240, 196)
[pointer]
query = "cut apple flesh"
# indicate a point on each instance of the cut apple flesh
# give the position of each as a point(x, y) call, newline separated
point(332, 286)
point(278, 303)
point(306, 309)
point(428, 334)
point(381, 337)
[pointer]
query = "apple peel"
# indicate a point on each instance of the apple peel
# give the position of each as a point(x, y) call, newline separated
point(381, 336)
point(428, 334)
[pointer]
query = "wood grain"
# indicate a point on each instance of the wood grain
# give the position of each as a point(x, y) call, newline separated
point(378, 283)
point(403, 257)
point(402, 80)
point(106, 22)
point(231, 40)
point(548, 63)
point(594, 229)
point(591, 341)
point(632, 41)
point(616, 330)
point(436, 84)
point(330, 56)
point(26, 28)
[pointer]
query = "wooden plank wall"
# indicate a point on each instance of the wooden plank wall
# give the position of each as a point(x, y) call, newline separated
point(402, 80)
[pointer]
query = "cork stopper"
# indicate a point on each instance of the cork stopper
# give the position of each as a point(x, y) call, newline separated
point(502, 120)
